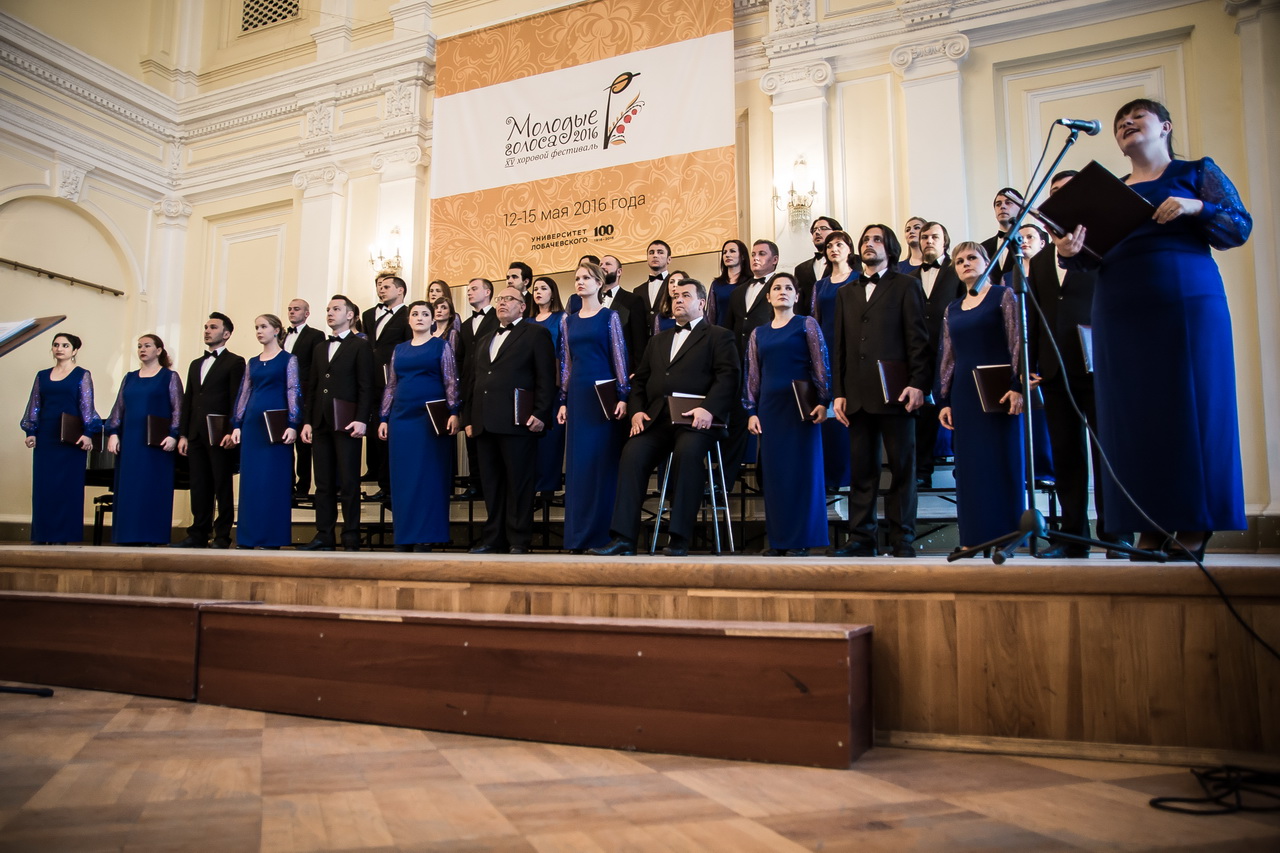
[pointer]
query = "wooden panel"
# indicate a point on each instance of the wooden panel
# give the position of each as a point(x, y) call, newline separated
point(145, 646)
point(792, 694)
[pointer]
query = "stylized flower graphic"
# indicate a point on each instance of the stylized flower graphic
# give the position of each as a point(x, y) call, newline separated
point(615, 136)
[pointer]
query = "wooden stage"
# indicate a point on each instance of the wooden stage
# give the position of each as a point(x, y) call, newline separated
point(1096, 658)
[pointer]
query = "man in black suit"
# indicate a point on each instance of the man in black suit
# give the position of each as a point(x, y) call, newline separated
point(809, 271)
point(386, 325)
point(880, 317)
point(1066, 298)
point(520, 276)
point(694, 357)
point(658, 256)
point(300, 340)
point(1006, 205)
point(629, 307)
point(213, 382)
point(515, 355)
point(483, 321)
point(941, 286)
point(341, 370)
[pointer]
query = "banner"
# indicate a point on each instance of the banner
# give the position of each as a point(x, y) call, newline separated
point(588, 130)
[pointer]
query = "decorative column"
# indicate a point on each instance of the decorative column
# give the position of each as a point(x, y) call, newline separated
point(935, 164)
point(1258, 26)
point(401, 224)
point(324, 211)
point(801, 160)
point(160, 306)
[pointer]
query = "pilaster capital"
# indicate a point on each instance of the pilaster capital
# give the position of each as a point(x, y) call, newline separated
point(393, 162)
point(172, 212)
point(796, 81)
point(927, 58)
point(320, 180)
point(1249, 10)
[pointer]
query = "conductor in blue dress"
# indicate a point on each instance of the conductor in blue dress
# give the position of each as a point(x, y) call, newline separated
point(57, 467)
point(1164, 366)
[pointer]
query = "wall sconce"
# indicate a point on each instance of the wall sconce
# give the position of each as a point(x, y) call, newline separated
point(799, 204)
point(383, 265)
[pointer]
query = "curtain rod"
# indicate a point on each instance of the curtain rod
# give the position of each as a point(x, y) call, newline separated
point(18, 265)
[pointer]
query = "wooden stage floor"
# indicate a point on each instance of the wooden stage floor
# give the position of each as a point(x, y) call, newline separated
point(1083, 658)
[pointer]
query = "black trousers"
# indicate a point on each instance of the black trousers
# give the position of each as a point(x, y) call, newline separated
point(507, 475)
point(641, 455)
point(302, 467)
point(1071, 450)
point(926, 437)
point(376, 460)
point(898, 432)
point(337, 461)
point(211, 470)
point(735, 446)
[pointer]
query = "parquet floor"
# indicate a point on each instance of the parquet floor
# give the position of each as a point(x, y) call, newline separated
point(88, 771)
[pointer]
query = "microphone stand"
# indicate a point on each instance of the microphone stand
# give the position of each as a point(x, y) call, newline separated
point(1031, 527)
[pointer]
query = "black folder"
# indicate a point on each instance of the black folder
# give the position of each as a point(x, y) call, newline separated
point(1108, 208)
point(344, 412)
point(678, 404)
point(1086, 346)
point(218, 427)
point(607, 394)
point(993, 381)
point(157, 430)
point(277, 421)
point(806, 397)
point(438, 413)
point(71, 429)
point(523, 400)
point(893, 379)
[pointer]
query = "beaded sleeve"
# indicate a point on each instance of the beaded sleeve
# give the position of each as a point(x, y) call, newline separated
point(242, 398)
point(618, 351)
point(819, 361)
point(1224, 219)
point(31, 419)
point(751, 373)
point(449, 372)
point(116, 419)
point(946, 360)
point(175, 403)
point(292, 391)
point(89, 411)
point(389, 392)
point(1012, 333)
point(562, 356)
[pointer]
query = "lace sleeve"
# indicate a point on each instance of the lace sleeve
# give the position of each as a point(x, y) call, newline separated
point(449, 370)
point(292, 390)
point(1224, 219)
point(819, 360)
point(712, 304)
point(1012, 333)
point(751, 370)
point(618, 351)
point(242, 398)
point(116, 419)
point(89, 411)
point(175, 403)
point(563, 356)
point(31, 419)
point(389, 392)
point(946, 361)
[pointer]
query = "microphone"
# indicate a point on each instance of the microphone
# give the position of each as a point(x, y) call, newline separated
point(1091, 127)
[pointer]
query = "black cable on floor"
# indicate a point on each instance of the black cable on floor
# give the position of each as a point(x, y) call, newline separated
point(1224, 789)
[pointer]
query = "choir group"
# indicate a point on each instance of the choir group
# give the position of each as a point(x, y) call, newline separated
point(809, 373)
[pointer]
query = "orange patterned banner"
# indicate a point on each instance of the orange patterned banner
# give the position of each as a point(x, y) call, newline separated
point(576, 35)
point(689, 200)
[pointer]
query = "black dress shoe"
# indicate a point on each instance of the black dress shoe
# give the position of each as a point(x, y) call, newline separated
point(797, 552)
point(1156, 556)
point(675, 551)
point(771, 552)
point(518, 551)
point(404, 549)
point(222, 544)
point(1179, 554)
point(615, 548)
point(853, 549)
point(190, 542)
point(904, 550)
point(351, 546)
point(317, 544)
point(376, 496)
point(421, 549)
point(484, 549)
point(1113, 554)
point(1065, 552)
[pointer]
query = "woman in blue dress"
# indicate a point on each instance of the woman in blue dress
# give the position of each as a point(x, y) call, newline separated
point(789, 348)
point(143, 511)
point(1164, 366)
point(981, 330)
point(733, 271)
point(592, 349)
point(422, 370)
point(838, 248)
point(270, 383)
point(548, 312)
point(57, 468)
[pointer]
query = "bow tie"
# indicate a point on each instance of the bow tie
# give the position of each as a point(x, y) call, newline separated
point(928, 265)
point(660, 277)
point(680, 328)
point(293, 330)
point(334, 339)
point(502, 330)
point(385, 310)
point(213, 354)
point(873, 279)
point(479, 315)
point(757, 281)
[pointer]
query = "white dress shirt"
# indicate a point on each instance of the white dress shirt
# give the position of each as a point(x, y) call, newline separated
point(681, 336)
point(207, 363)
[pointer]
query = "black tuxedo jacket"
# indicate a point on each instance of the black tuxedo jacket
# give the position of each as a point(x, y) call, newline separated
point(1066, 306)
point(708, 365)
point(947, 288)
point(395, 332)
point(215, 396)
point(805, 280)
point(891, 327)
point(632, 313)
point(305, 348)
point(641, 292)
point(741, 318)
point(349, 376)
point(1042, 264)
point(467, 338)
point(527, 359)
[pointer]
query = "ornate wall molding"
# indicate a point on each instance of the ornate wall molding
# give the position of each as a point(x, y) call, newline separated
point(327, 178)
point(71, 181)
point(172, 212)
point(919, 13)
point(397, 156)
point(812, 78)
point(931, 57)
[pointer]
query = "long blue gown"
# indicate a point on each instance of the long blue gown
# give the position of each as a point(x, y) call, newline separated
point(266, 469)
point(143, 512)
point(990, 484)
point(1164, 365)
point(550, 463)
point(718, 299)
point(57, 469)
point(422, 460)
point(795, 501)
point(594, 349)
point(837, 460)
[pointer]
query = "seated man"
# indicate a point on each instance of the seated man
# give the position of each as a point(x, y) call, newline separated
point(694, 357)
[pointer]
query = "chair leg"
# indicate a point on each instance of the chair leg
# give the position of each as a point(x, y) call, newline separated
point(724, 491)
point(715, 503)
point(662, 505)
